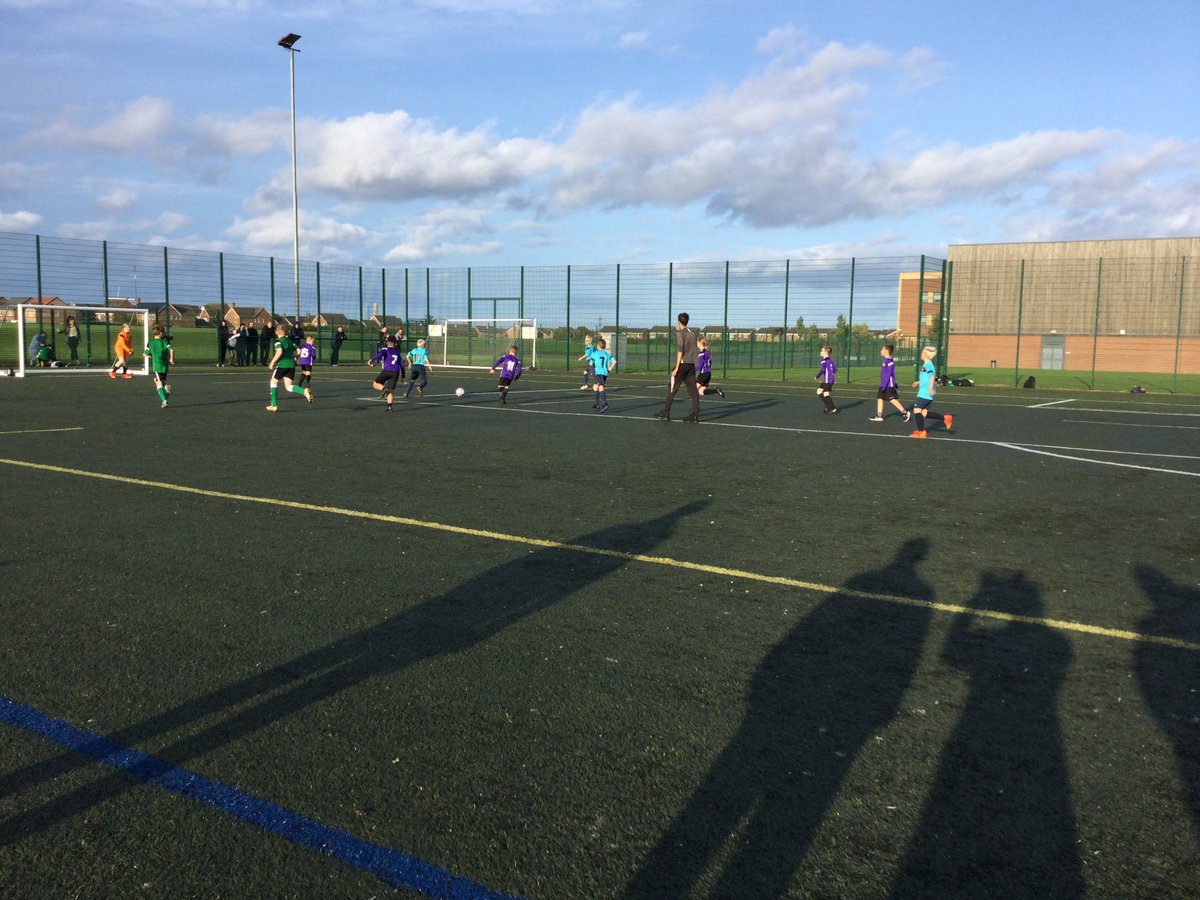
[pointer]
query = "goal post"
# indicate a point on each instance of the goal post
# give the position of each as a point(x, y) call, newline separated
point(82, 337)
point(477, 343)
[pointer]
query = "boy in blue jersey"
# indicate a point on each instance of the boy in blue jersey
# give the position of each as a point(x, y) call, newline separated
point(392, 371)
point(887, 386)
point(589, 367)
point(418, 361)
point(510, 371)
point(603, 363)
point(824, 379)
point(704, 370)
point(926, 385)
point(306, 355)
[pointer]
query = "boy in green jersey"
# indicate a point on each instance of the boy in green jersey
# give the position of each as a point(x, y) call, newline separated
point(162, 357)
point(283, 368)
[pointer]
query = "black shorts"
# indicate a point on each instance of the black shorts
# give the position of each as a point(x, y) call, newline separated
point(887, 394)
point(589, 367)
point(160, 377)
point(387, 380)
point(826, 386)
point(288, 373)
point(703, 378)
point(601, 379)
point(922, 402)
point(505, 382)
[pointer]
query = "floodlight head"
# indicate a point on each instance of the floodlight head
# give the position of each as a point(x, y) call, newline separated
point(288, 40)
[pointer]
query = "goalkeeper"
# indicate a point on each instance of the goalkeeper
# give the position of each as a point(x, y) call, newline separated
point(122, 349)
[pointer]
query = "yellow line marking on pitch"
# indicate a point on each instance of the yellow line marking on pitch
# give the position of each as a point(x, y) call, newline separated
point(42, 430)
point(665, 561)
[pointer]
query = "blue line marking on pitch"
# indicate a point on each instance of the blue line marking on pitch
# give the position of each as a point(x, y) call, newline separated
point(390, 866)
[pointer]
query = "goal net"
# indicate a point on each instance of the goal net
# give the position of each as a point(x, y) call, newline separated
point(478, 343)
point(78, 338)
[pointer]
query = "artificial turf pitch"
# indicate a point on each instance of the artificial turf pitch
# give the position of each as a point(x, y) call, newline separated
point(551, 653)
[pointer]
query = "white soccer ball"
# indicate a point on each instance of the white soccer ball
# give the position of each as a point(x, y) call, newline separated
point(460, 392)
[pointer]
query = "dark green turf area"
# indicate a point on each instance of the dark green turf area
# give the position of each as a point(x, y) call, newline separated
point(563, 720)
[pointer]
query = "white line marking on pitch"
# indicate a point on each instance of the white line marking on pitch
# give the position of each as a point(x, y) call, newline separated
point(1051, 403)
point(1129, 424)
point(1097, 462)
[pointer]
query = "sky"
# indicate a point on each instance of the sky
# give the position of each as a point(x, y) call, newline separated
point(553, 132)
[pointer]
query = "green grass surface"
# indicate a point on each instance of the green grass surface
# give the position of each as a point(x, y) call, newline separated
point(775, 654)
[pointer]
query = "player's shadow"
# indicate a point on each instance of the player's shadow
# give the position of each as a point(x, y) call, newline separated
point(815, 700)
point(727, 409)
point(452, 622)
point(1170, 676)
point(998, 821)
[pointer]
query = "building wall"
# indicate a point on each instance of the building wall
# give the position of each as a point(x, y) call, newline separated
point(1130, 299)
point(1114, 353)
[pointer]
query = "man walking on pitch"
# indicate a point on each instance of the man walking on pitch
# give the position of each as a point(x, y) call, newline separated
point(686, 353)
point(162, 357)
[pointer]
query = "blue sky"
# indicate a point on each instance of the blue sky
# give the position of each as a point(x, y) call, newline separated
point(540, 132)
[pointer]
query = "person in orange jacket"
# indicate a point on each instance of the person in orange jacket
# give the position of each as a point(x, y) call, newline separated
point(122, 349)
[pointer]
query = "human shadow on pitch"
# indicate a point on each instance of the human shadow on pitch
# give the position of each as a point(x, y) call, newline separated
point(726, 409)
point(1170, 676)
point(453, 622)
point(815, 700)
point(999, 821)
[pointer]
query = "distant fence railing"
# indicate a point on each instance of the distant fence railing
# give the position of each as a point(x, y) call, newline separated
point(766, 319)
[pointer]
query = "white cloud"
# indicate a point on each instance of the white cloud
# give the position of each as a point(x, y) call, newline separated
point(136, 126)
point(391, 157)
point(117, 200)
point(447, 232)
point(321, 237)
point(21, 220)
point(631, 39)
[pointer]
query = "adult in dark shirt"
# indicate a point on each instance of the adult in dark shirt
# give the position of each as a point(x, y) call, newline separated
point(251, 344)
point(266, 338)
point(222, 342)
point(335, 344)
point(684, 371)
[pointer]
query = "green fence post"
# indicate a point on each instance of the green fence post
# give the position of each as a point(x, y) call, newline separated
point(670, 309)
point(107, 335)
point(1096, 323)
point(406, 319)
point(221, 273)
point(1179, 324)
point(317, 321)
point(947, 297)
point(725, 328)
point(428, 303)
point(850, 319)
point(787, 283)
point(617, 325)
point(272, 267)
point(383, 297)
point(1020, 309)
point(166, 294)
point(361, 357)
point(920, 302)
point(568, 342)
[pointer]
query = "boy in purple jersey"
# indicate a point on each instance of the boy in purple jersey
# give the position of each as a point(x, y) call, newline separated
point(510, 371)
point(824, 378)
point(392, 371)
point(305, 357)
point(704, 370)
point(887, 386)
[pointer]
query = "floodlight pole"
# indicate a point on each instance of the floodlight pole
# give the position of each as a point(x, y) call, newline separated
point(288, 43)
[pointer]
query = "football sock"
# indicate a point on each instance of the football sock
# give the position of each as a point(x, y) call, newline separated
point(274, 396)
point(601, 398)
point(162, 395)
point(828, 400)
point(296, 389)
